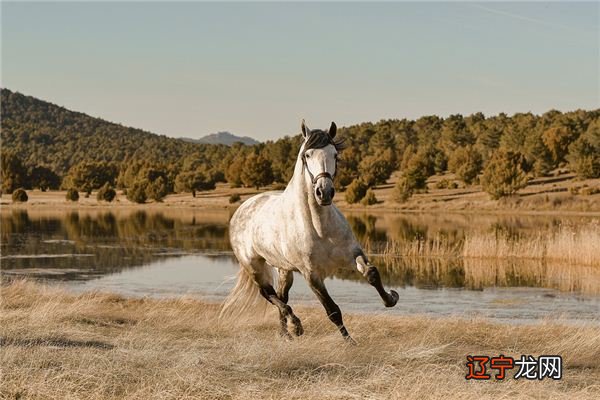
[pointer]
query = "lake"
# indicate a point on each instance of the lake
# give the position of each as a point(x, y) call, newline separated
point(175, 252)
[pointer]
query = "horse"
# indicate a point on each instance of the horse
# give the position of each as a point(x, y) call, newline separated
point(297, 230)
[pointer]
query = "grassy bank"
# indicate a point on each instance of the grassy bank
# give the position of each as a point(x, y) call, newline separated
point(562, 194)
point(96, 346)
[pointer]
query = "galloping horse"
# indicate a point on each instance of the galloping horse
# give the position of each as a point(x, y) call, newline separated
point(300, 230)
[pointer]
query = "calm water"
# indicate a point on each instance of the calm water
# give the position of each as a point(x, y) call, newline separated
point(187, 252)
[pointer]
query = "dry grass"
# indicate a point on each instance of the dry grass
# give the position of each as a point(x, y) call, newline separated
point(101, 346)
point(571, 245)
point(574, 246)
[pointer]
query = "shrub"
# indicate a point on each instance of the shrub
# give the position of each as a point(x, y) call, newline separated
point(137, 193)
point(72, 195)
point(504, 175)
point(356, 191)
point(106, 193)
point(157, 189)
point(443, 184)
point(19, 196)
point(369, 198)
point(234, 198)
point(403, 190)
point(466, 163)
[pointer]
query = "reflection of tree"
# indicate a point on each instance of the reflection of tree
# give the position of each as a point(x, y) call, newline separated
point(115, 242)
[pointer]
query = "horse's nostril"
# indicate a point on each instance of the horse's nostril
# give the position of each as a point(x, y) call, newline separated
point(319, 192)
point(332, 192)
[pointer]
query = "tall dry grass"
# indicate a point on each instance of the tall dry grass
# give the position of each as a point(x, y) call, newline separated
point(570, 245)
point(57, 345)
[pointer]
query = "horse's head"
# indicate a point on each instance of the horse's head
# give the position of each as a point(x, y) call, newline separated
point(319, 158)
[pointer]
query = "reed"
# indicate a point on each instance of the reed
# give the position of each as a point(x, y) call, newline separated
point(569, 245)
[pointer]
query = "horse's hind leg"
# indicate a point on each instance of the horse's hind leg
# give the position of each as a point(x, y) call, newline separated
point(268, 292)
point(333, 310)
point(284, 283)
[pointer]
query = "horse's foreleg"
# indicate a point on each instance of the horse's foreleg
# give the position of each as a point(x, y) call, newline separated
point(372, 274)
point(284, 283)
point(333, 310)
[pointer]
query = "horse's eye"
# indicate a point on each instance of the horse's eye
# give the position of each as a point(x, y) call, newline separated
point(307, 155)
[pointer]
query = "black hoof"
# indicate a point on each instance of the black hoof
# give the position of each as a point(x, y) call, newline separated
point(298, 329)
point(350, 341)
point(392, 299)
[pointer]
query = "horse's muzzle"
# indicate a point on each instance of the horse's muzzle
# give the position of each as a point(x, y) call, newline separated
point(324, 195)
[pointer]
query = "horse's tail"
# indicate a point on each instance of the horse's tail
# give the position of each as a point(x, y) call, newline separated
point(244, 297)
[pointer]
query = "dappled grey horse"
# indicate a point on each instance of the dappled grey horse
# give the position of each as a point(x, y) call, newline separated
point(300, 230)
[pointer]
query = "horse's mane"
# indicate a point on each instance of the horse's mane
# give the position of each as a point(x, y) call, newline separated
point(319, 139)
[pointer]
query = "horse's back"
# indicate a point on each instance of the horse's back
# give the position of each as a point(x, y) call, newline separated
point(242, 222)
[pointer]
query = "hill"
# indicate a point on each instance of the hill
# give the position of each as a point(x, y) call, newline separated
point(225, 138)
point(42, 133)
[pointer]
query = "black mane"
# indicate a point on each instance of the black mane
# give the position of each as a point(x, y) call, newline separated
point(319, 139)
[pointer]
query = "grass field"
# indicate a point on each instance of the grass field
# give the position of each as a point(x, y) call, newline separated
point(562, 193)
point(57, 345)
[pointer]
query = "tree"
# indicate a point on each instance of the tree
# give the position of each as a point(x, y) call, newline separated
point(72, 195)
point(43, 178)
point(257, 171)
point(19, 196)
point(376, 169)
point(504, 174)
point(192, 181)
point(557, 139)
point(106, 193)
point(584, 153)
point(137, 192)
point(87, 176)
point(356, 191)
point(466, 163)
point(369, 198)
point(403, 190)
point(233, 174)
point(12, 172)
point(157, 189)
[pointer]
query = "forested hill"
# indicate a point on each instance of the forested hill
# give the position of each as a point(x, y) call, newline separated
point(43, 133)
point(47, 146)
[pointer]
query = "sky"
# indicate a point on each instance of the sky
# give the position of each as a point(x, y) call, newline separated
point(256, 69)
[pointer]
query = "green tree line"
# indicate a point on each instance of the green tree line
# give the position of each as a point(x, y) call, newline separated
point(48, 147)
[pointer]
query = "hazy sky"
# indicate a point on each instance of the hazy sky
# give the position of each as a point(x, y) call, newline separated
point(189, 69)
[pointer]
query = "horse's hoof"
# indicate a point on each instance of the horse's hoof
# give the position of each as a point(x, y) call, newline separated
point(350, 341)
point(298, 329)
point(394, 296)
point(285, 334)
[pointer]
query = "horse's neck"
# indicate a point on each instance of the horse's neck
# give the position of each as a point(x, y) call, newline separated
point(298, 194)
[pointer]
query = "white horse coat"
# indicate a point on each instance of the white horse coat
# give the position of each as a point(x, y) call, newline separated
point(300, 230)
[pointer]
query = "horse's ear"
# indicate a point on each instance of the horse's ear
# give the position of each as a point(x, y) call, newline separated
point(305, 130)
point(332, 130)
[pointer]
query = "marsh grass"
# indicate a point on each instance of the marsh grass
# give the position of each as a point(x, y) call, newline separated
point(570, 245)
point(57, 345)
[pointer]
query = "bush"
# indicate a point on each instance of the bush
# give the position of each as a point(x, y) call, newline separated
point(19, 196)
point(443, 184)
point(504, 175)
point(157, 189)
point(106, 193)
point(137, 193)
point(403, 190)
point(466, 163)
point(72, 195)
point(356, 191)
point(234, 198)
point(369, 198)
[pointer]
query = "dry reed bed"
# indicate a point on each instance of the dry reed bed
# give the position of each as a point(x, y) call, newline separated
point(101, 346)
point(571, 245)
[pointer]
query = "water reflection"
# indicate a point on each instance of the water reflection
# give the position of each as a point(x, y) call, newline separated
point(87, 244)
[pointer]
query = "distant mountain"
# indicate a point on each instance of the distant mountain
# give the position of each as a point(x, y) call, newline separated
point(225, 138)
